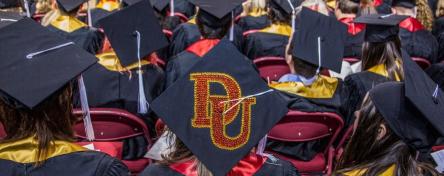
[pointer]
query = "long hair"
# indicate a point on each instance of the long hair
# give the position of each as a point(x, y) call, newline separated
point(424, 14)
point(255, 6)
point(49, 121)
point(277, 14)
point(440, 9)
point(367, 7)
point(316, 5)
point(348, 6)
point(387, 53)
point(372, 156)
point(208, 30)
point(180, 152)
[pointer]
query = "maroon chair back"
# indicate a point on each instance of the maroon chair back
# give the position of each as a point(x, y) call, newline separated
point(167, 33)
point(351, 60)
point(160, 127)
point(344, 139)
point(114, 125)
point(2, 131)
point(272, 68)
point(299, 126)
point(423, 63)
point(438, 148)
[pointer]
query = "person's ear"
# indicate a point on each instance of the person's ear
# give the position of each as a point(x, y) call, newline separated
point(394, 11)
point(382, 131)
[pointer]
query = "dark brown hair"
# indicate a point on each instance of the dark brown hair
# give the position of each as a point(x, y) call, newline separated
point(210, 31)
point(277, 14)
point(373, 156)
point(49, 121)
point(301, 67)
point(348, 6)
point(387, 53)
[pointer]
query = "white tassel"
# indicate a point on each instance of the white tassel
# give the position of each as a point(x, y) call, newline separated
point(143, 103)
point(232, 27)
point(240, 100)
point(293, 16)
point(172, 12)
point(87, 122)
point(261, 146)
point(89, 14)
point(319, 56)
point(28, 12)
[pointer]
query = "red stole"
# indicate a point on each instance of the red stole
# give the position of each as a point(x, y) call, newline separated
point(201, 47)
point(411, 24)
point(248, 166)
point(353, 28)
point(377, 3)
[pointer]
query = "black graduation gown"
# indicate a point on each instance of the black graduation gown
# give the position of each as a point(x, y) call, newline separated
point(270, 41)
point(436, 72)
point(307, 150)
point(88, 163)
point(355, 38)
point(417, 41)
point(184, 7)
point(188, 33)
point(355, 88)
point(253, 22)
point(270, 167)
point(383, 6)
point(179, 65)
point(89, 39)
point(438, 32)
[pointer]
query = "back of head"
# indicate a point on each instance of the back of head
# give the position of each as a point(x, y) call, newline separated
point(372, 153)
point(348, 6)
point(51, 120)
point(440, 9)
point(424, 14)
point(256, 6)
point(387, 53)
point(300, 66)
point(316, 5)
point(212, 27)
point(276, 14)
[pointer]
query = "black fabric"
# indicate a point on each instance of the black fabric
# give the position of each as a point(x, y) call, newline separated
point(207, 19)
point(186, 34)
point(88, 163)
point(179, 65)
point(420, 43)
point(436, 72)
point(9, 3)
point(438, 32)
point(353, 45)
point(180, 6)
point(217, 8)
point(404, 3)
point(122, 35)
point(262, 44)
point(284, 5)
point(134, 148)
point(380, 27)
point(304, 151)
point(89, 39)
point(30, 80)
point(70, 5)
point(96, 15)
point(272, 166)
point(355, 88)
point(251, 22)
point(9, 18)
point(385, 7)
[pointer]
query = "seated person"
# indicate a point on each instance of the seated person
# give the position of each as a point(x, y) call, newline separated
point(103, 8)
point(346, 11)
point(64, 22)
point(171, 21)
point(381, 61)
point(436, 72)
point(438, 29)
point(271, 40)
point(212, 29)
point(305, 89)
point(394, 134)
point(36, 107)
point(254, 16)
point(415, 39)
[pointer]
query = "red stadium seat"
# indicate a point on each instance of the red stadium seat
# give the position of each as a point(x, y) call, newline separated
point(2, 131)
point(423, 63)
point(351, 60)
point(160, 127)
point(341, 145)
point(38, 17)
point(272, 68)
point(167, 33)
point(303, 127)
point(113, 126)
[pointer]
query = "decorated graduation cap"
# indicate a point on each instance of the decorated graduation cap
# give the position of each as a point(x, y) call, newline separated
point(380, 27)
point(213, 11)
point(70, 5)
point(225, 108)
point(7, 18)
point(319, 40)
point(412, 109)
point(44, 63)
point(134, 32)
point(404, 3)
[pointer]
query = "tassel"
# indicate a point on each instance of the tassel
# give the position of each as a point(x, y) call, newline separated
point(293, 16)
point(232, 27)
point(142, 102)
point(26, 4)
point(319, 56)
point(89, 14)
point(85, 109)
point(172, 12)
point(261, 146)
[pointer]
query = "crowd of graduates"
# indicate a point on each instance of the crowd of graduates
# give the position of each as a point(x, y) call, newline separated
point(196, 68)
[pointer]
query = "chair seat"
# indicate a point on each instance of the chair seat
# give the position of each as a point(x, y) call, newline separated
point(136, 166)
point(317, 164)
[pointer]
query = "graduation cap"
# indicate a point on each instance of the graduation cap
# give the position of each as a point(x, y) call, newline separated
point(44, 63)
point(319, 40)
point(404, 3)
point(7, 18)
point(412, 109)
point(288, 6)
point(380, 27)
point(159, 5)
point(130, 2)
point(225, 108)
point(70, 5)
point(8, 3)
point(134, 32)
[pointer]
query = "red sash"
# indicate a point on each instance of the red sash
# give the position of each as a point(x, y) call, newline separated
point(353, 28)
point(411, 24)
point(201, 47)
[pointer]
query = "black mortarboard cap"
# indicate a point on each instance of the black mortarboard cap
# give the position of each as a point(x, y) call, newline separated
point(412, 109)
point(332, 33)
point(121, 26)
point(69, 5)
point(159, 5)
point(404, 3)
point(380, 27)
point(7, 18)
point(217, 8)
point(220, 141)
point(8, 3)
point(44, 63)
point(131, 2)
point(284, 5)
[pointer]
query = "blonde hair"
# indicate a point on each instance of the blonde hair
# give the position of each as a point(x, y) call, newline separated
point(50, 16)
point(440, 8)
point(424, 14)
point(43, 6)
point(321, 6)
point(255, 6)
